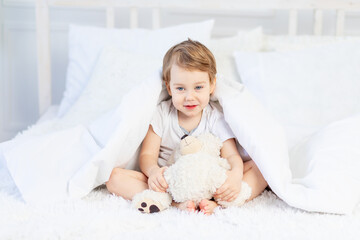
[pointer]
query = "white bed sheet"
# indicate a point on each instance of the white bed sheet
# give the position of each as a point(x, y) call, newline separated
point(88, 153)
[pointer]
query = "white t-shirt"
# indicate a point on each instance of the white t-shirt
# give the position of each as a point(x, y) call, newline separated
point(166, 125)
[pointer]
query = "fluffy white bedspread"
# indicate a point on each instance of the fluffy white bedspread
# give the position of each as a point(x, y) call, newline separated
point(101, 215)
point(62, 160)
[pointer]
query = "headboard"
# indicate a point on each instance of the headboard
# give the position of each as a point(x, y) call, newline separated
point(292, 6)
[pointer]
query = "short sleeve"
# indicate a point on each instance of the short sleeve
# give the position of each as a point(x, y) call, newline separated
point(220, 127)
point(157, 121)
point(161, 118)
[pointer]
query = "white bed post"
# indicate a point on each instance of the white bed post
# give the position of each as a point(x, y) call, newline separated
point(318, 22)
point(134, 23)
point(340, 22)
point(110, 17)
point(43, 52)
point(156, 18)
point(292, 22)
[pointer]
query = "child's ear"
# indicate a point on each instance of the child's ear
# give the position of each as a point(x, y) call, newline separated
point(168, 87)
point(212, 86)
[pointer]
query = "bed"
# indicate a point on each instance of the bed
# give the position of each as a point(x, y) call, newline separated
point(297, 113)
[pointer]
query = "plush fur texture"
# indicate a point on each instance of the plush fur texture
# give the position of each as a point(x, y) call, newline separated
point(197, 173)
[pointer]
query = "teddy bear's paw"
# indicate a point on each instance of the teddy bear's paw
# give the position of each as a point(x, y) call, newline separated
point(149, 206)
point(150, 201)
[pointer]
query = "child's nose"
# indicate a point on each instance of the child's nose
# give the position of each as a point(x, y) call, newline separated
point(190, 95)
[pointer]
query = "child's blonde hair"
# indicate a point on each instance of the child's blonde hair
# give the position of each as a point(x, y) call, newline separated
point(191, 55)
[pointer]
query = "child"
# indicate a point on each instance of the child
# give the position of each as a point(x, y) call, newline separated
point(189, 71)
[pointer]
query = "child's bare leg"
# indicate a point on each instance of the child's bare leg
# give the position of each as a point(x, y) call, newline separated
point(254, 178)
point(187, 206)
point(207, 206)
point(126, 183)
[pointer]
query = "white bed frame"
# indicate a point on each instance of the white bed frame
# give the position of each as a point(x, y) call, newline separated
point(293, 6)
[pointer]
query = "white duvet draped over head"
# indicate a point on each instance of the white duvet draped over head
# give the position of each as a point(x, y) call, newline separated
point(50, 163)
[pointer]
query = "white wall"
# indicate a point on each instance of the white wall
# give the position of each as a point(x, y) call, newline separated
point(18, 83)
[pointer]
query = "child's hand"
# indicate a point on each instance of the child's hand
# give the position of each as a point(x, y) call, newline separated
point(156, 180)
point(231, 188)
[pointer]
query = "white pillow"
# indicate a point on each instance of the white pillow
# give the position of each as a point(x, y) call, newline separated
point(286, 42)
point(305, 89)
point(115, 73)
point(223, 49)
point(86, 43)
point(330, 160)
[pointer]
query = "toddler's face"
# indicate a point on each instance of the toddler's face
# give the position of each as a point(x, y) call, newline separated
point(190, 90)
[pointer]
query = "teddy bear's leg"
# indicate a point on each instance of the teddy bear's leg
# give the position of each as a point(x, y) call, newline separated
point(241, 198)
point(149, 201)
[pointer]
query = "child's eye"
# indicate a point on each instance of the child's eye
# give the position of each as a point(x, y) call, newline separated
point(198, 87)
point(180, 88)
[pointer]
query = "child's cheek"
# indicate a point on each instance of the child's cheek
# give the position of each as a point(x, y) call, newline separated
point(175, 100)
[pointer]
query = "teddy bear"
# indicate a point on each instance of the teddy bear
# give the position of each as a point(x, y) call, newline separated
point(196, 171)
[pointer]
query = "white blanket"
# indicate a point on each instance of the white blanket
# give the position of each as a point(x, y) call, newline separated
point(69, 160)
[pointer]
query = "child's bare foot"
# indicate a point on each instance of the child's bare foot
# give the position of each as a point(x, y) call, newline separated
point(207, 206)
point(187, 206)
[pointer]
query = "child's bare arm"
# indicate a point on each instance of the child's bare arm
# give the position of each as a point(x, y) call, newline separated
point(148, 161)
point(232, 186)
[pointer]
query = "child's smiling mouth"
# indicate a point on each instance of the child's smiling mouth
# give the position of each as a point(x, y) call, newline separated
point(190, 106)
